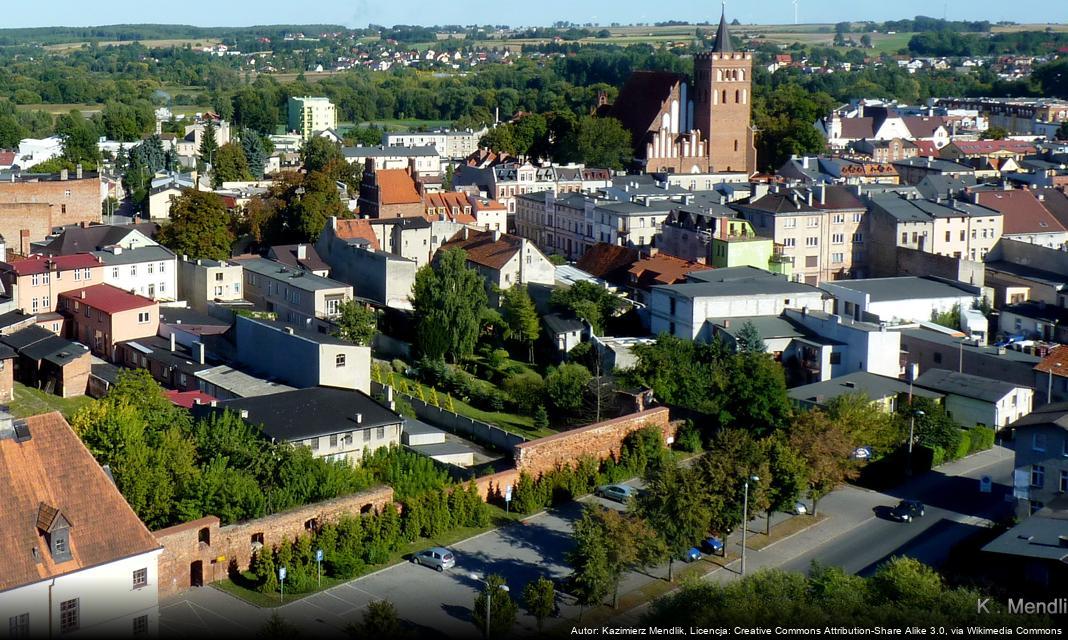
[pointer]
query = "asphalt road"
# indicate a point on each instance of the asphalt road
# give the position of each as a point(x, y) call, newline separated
point(854, 537)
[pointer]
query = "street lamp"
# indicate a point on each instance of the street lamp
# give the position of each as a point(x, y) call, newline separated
point(745, 515)
point(912, 429)
point(489, 594)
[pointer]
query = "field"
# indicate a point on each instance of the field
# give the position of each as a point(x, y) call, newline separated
point(402, 126)
point(158, 44)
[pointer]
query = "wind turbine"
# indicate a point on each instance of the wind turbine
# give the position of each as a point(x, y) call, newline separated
point(796, 2)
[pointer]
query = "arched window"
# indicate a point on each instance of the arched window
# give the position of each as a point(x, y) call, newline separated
point(741, 75)
point(737, 96)
point(724, 96)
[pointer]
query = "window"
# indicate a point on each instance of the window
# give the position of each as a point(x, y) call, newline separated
point(1038, 476)
point(789, 242)
point(140, 626)
point(905, 238)
point(839, 218)
point(838, 238)
point(789, 223)
point(140, 578)
point(133, 269)
point(857, 217)
point(380, 433)
point(151, 268)
point(938, 358)
point(333, 440)
point(837, 257)
point(339, 360)
point(1063, 484)
point(333, 306)
point(366, 435)
point(162, 267)
point(115, 272)
point(813, 223)
point(1038, 442)
point(77, 274)
point(142, 317)
point(36, 279)
point(69, 618)
point(314, 444)
point(19, 626)
point(87, 314)
point(947, 236)
point(218, 291)
point(812, 241)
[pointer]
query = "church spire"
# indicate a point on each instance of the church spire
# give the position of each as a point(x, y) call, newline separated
point(723, 35)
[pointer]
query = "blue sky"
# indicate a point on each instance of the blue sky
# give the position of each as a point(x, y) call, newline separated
point(354, 13)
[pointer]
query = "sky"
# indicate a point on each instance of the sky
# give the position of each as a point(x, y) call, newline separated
point(358, 13)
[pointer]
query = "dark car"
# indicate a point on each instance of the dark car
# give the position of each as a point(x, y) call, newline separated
point(907, 511)
point(693, 554)
point(712, 545)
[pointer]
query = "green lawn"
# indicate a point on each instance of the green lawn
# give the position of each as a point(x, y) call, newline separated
point(243, 587)
point(406, 125)
point(32, 402)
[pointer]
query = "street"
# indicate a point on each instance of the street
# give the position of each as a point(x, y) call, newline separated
point(854, 536)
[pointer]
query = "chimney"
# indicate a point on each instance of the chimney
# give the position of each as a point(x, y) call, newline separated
point(198, 348)
point(975, 197)
point(81, 294)
point(197, 401)
point(726, 324)
point(244, 414)
point(302, 252)
point(359, 418)
point(173, 345)
point(78, 171)
point(823, 194)
point(63, 174)
point(496, 235)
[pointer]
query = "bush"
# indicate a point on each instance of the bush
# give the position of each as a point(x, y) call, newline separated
point(688, 438)
point(938, 455)
point(963, 446)
point(526, 390)
point(981, 439)
point(399, 365)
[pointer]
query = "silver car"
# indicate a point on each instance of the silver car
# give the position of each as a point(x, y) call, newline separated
point(618, 492)
point(438, 558)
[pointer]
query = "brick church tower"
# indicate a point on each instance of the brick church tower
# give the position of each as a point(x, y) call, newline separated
point(723, 95)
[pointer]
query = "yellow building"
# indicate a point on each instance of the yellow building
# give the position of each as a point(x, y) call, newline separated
point(308, 115)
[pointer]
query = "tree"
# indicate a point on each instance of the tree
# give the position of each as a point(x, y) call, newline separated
point(379, 621)
point(499, 139)
point(865, 41)
point(599, 560)
point(208, 143)
point(541, 417)
point(11, 132)
point(733, 456)
point(589, 302)
point(934, 427)
point(356, 322)
point(749, 340)
point(448, 298)
point(1062, 131)
point(520, 317)
point(995, 133)
point(501, 607)
point(539, 598)
point(566, 387)
point(788, 478)
point(950, 318)
point(230, 165)
point(866, 422)
point(756, 394)
point(674, 505)
point(255, 155)
point(79, 138)
point(603, 142)
point(199, 226)
point(825, 449)
point(320, 154)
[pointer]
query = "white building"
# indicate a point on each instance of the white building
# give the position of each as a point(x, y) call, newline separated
point(973, 400)
point(453, 145)
point(77, 560)
point(685, 310)
point(848, 346)
point(150, 271)
point(900, 300)
point(308, 115)
point(424, 159)
point(33, 151)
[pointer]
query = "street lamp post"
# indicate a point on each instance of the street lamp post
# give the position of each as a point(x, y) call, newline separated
point(912, 430)
point(745, 515)
point(489, 596)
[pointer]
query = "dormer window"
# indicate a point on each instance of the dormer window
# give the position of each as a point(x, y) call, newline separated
point(56, 528)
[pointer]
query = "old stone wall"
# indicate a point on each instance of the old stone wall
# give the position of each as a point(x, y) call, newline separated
point(201, 551)
point(912, 262)
point(73, 200)
point(598, 440)
point(24, 222)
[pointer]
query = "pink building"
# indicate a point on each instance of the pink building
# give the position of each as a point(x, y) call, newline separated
point(36, 282)
point(101, 316)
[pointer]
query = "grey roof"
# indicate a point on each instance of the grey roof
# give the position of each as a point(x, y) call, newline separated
point(314, 336)
point(1049, 278)
point(25, 337)
point(418, 427)
point(1036, 537)
point(769, 327)
point(187, 316)
point(734, 281)
point(905, 288)
point(556, 324)
point(964, 384)
point(909, 210)
point(872, 385)
point(12, 318)
point(935, 185)
point(441, 449)
point(296, 278)
point(1053, 415)
point(158, 349)
point(381, 151)
point(240, 383)
point(307, 413)
point(56, 350)
point(154, 253)
point(638, 208)
point(956, 342)
point(935, 165)
point(723, 35)
point(79, 239)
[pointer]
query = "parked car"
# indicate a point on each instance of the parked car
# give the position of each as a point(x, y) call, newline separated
point(437, 558)
point(712, 545)
point(800, 509)
point(692, 555)
point(907, 511)
point(618, 492)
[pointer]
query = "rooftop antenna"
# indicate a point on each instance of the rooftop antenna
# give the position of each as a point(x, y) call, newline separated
point(796, 2)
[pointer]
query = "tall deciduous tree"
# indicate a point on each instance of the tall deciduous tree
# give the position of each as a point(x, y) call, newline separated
point(199, 226)
point(733, 457)
point(448, 298)
point(603, 142)
point(608, 543)
point(788, 477)
point(230, 165)
point(520, 317)
point(826, 448)
point(566, 387)
point(357, 323)
point(675, 507)
point(539, 598)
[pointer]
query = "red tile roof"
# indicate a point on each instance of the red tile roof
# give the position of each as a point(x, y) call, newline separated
point(1056, 360)
point(434, 202)
point(1022, 211)
point(483, 250)
point(188, 398)
point(53, 474)
point(926, 148)
point(355, 229)
point(604, 260)
point(7, 158)
point(923, 126)
point(395, 186)
point(662, 269)
point(983, 147)
point(108, 299)
point(40, 264)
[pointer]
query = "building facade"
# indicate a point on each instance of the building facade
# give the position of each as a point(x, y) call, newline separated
point(308, 115)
